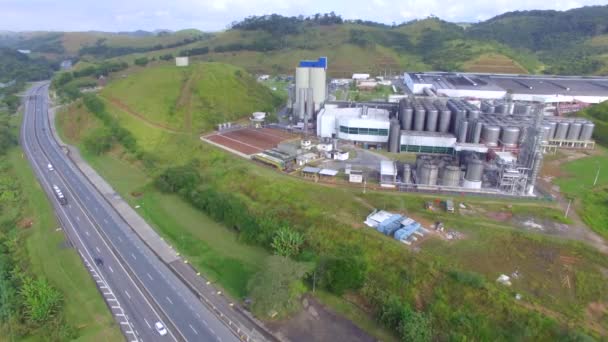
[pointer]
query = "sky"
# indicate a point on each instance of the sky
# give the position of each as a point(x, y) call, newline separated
point(215, 15)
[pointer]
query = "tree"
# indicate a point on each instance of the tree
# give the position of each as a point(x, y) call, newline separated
point(41, 300)
point(277, 288)
point(142, 61)
point(415, 327)
point(99, 141)
point(342, 273)
point(287, 242)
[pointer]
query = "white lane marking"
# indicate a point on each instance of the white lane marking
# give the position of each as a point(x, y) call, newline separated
point(127, 293)
point(97, 249)
point(105, 221)
point(124, 323)
point(70, 206)
point(115, 307)
point(205, 323)
point(87, 232)
point(111, 270)
point(211, 331)
point(197, 315)
point(169, 300)
point(191, 327)
point(78, 218)
point(96, 209)
point(133, 255)
point(149, 326)
point(149, 276)
point(119, 239)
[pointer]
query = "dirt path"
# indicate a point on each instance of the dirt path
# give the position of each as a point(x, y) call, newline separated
point(578, 229)
point(184, 102)
point(140, 116)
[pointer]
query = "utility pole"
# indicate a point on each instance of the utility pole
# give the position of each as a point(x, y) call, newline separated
point(597, 175)
point(568, 208)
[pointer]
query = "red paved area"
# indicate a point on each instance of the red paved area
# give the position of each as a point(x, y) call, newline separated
point(250, 140)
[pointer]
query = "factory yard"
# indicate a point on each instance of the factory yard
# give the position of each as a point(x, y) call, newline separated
point(248, 140)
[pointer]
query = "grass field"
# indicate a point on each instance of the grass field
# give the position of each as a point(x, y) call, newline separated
point(45, 249)
point(188, 99)
point(494, 63)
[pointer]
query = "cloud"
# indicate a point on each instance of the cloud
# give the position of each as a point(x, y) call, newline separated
point(210, 15)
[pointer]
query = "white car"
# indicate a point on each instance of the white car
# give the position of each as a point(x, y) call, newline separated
point(50, 167)
point(160, 328)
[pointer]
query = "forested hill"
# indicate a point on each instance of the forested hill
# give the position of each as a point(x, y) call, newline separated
point(544, 30)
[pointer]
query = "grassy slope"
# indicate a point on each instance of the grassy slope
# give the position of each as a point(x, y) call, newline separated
point(519, 249)
point(189, 99)
point(48, 256)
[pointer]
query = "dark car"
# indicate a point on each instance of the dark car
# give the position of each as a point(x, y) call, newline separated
point(98, 261)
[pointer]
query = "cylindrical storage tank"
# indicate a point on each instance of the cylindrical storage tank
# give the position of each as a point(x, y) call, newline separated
point(474, 170)
point(463, 130)
point(476, 132)
point(444, 120)
point(302, 78)
point(587, 132)
point(545, 132)
point(428, 174)
point(561, 131)
point(473, 114)
point(553, 126)
point(408, 117)
point(407, 173)
point(509, 136)
point(451, 176)
point(394, 136)
point(318, 83)
point(401, 112)
point(490, 135)
point(419, 118)
point(574, 131)
point(431, 119)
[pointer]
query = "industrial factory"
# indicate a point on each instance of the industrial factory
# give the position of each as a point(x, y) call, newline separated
point(477, 133)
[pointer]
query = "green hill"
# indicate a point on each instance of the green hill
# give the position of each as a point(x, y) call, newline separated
point(190, 99)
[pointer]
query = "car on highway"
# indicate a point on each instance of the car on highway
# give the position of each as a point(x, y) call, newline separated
point(99, 261)
point(160, 328)
point(50, 167)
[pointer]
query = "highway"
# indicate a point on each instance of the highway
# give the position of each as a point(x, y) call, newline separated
point(138, 288)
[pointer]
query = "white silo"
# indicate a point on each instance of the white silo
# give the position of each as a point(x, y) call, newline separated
point(318, 83)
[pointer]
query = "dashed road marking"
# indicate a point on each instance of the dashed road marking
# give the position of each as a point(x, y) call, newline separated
point(111, 270)
point(97, 249)
point(133, 255)
point(127, 293)
point(87, 232)
point(78, 218)
point(149, 276)
point(169, 300)
point(148, 324)
point(115, 307)
point(105, 221)
point(191, 327)
point(124, 323)
point(119, 239)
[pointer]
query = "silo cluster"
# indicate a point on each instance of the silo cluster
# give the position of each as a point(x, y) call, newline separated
point(570, 130)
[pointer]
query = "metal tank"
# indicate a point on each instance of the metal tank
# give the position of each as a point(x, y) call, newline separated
point(476, 132)
point(587, 132)
point(394, 136)
point(407, 173)
point(444, 120)
point(463, 130)
point(419, 118)
point(408, 117)
point(473, 114)
point(553, 126)
point(574, 131)
point(451, 176)
point(510, 136)
point(428, 174)
point(318, 83)
point(490, 135)
point(545, 131)
point(474, 170)
point(561, 131)
point(431, 119)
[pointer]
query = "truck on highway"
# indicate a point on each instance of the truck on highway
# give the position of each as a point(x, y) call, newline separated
point(60, 197)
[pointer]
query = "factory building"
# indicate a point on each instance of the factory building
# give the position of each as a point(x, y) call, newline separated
point(547, 89)
point(364, 125)
point(310, 87)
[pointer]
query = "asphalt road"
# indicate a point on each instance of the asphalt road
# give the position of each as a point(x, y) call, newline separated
point(138, 288)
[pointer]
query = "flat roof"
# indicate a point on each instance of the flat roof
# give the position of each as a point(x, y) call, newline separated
point(519, 84)
point(355, 112)
point(328, 172)
point(309, 169)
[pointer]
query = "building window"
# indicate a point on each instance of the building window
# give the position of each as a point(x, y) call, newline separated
point(364, 131)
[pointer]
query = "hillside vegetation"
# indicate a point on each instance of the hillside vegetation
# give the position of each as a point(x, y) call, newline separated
point(190, 99)
point(445, 291)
